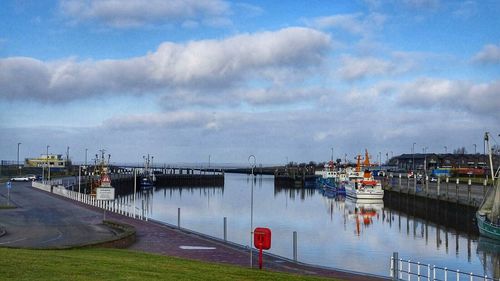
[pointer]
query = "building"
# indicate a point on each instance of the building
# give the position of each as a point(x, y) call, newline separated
point(430, 161)
point(54, 161)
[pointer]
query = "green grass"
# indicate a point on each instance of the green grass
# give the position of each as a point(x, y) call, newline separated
point(114, 264)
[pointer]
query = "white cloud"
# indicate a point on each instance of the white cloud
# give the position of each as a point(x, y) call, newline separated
point(132, 13)
point(480, 99)
point(207, 65)
point(354, 68)
point(466, 9)
point(175, 119)
point(422, 4)
point(356, 23)
point(489, 54)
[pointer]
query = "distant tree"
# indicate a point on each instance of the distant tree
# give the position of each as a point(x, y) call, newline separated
point(495, 149)
point(460, 150)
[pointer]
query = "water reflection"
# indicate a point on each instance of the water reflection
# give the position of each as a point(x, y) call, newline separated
point(333, 231)
point(363, 212)
point(488, 251)
point(295, 192)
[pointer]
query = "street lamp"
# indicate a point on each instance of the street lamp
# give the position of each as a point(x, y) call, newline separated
point(19, 167)
point(48, 166)
point(425, 159)
point(251, 210)
point(475, 147)
point(413, 157)
point(332, 153)
point(445, 149)
point(86, 150)
point(79, 179)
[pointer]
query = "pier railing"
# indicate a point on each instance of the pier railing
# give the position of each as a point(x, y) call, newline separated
point(132, 205)
point(412, 270)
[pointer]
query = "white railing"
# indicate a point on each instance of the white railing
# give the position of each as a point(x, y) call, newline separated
point(411, 270)
point(123, 205)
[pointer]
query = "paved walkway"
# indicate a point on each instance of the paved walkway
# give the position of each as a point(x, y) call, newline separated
point(155, 237)
point(41, 220)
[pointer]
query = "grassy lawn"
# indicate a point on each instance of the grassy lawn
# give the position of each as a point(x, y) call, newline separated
point(114, 264)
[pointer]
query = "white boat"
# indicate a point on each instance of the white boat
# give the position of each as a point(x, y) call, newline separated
point(362, 185)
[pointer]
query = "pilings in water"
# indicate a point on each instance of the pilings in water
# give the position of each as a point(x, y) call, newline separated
point(443, 190)
point(295, 177)
point(123, 180)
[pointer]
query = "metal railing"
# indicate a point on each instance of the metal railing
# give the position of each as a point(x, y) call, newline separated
point(411, 270)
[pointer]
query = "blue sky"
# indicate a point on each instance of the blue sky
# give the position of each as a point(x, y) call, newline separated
point(186, 79)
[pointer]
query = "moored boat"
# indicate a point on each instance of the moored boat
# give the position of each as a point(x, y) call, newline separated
point(363, 185)
point(488, 214)
point(148, 178)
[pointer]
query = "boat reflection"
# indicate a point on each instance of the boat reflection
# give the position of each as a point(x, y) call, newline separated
point(363, 212)
point(488, 251)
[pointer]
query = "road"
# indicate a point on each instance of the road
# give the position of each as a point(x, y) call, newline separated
point(44, 221)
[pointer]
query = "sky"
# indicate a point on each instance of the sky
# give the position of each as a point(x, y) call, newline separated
point(189, 80)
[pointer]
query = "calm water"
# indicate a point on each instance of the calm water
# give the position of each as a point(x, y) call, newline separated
point(332, 232)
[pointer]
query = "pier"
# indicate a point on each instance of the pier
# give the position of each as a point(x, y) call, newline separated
point(450, 190)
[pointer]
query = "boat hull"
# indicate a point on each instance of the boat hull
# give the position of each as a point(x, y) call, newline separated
point(364, 194)
point(486, 228)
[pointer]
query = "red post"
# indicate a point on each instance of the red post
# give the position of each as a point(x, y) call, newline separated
point(262, 241)
point(260, 258)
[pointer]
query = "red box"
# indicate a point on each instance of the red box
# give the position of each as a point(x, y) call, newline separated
point(262, 238)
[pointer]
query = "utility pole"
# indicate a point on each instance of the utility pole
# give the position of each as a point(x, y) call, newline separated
point(18, 166)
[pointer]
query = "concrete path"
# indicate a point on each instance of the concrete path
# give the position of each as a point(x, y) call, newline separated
point(44, 220)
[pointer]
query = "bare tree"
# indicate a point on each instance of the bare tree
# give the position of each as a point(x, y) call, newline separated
point(460, 150)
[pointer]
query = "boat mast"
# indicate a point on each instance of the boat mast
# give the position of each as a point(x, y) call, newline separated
point(487, 140)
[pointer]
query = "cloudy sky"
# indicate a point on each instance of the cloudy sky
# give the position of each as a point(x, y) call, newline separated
point(185, 79)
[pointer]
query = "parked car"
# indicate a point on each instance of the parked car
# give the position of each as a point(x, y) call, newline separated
point(24, 178)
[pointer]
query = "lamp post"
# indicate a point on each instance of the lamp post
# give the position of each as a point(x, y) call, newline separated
point(445, 149)
point(413, 157)
point(19, 167)
point(48, 165)
point(86, 150)
point(475, 147)
point(425, 159)
point(332, 153)
point(251, 210)
point(79, 180)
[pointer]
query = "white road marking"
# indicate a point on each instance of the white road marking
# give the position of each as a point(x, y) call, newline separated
point(53, 239)
point(8, 242)
point(196, 248)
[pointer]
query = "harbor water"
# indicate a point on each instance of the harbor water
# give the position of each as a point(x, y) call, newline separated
point(331, 231)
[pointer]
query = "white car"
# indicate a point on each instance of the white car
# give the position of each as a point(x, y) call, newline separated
point(24, 178)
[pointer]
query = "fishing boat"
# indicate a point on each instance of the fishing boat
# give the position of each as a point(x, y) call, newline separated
point(100, 176)
point(148, 178)
point(488, 215)
point(329, 178)
point(362, 185)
